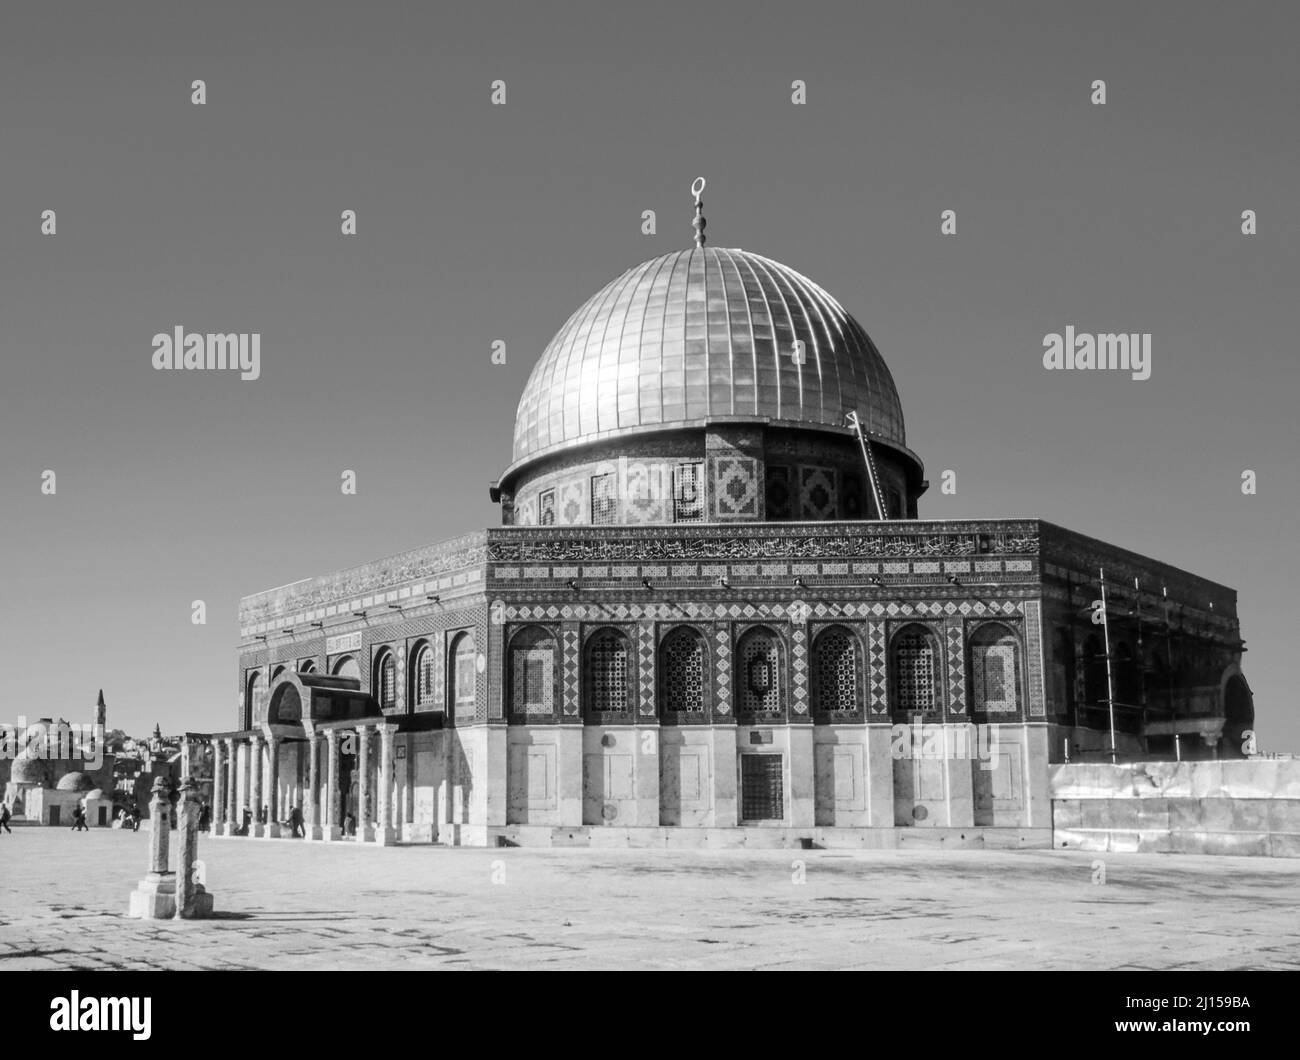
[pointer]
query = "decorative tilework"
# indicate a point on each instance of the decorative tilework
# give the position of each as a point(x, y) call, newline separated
point(722, 669)
point(956, 660)
point(439, 672)
point(778, 493)
point(799, 668)
point(646, 494)
point(572, 663)
point(1033, 611)
point(645, 646)
point(572, 504)
point(735, 487)
point(817, 494)
point(625, 612)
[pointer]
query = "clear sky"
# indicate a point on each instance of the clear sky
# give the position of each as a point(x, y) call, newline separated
point(478, 223)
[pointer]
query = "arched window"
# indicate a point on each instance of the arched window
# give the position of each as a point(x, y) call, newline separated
point(422, 676)
point(253, 700)
point(464, 681)
point(683, 674)
point(995, 670)
point(836, 669)
point(307, 666)
point(914, 663)
point(607, 669)
point(277, 671)
point(532, 673)
point(346, 666)
point(760, 690)
point(385, 679)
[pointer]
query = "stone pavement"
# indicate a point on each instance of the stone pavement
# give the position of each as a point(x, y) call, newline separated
point(286, 904)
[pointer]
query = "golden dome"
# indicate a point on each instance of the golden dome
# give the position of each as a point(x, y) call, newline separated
point(702, 336)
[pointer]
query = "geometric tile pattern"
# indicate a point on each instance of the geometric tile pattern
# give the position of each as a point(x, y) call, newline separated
point(1034, 658)
point(573, 504)
point(646, 493)
point(645, 637)
point(799, 668)
point(439, 671)
point(835, 663)
point(877, 669)
point(817, 498)
point(572, 669)
point(735, 487)
point(722, 669)
point(683, 671)
point(956, 666)
point(692, 609)
point(777, 492)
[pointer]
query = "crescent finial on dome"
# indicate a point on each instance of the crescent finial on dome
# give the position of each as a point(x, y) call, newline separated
point(698, 223)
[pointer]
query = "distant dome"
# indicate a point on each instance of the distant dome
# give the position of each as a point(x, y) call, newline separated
point(95, 793)
point(702, 336)
point(26, 770)
point(75, 782)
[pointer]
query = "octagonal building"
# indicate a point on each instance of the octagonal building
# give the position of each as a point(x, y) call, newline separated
point(711, 615)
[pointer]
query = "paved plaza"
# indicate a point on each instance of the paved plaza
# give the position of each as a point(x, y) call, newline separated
point(287, 904)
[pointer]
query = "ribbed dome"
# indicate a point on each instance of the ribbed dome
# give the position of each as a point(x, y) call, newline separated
point(28, 770)
point(698, 336)
point(76, 782)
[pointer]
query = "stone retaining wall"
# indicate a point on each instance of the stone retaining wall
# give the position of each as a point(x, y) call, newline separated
point(1249, 807)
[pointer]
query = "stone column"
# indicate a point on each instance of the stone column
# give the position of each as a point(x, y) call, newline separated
point(311, 807)
point(363, 783)
point(218, 788)
point(273, 788)
point(232, 789)
point(192, 900)
point(255, 784)
point(155, 897)
point(332, 821)
point(384, 825)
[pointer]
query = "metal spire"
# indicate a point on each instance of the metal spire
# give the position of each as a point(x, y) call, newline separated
point(698, 223)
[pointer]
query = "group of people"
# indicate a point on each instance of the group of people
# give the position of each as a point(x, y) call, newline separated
point(130, 817)
point(293, 822)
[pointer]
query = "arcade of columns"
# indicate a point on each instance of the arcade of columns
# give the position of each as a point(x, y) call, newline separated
point(322, 804)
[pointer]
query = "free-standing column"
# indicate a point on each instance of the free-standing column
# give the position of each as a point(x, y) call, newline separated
point(384, 825)
point(331, 830)
point(232, 789)
point(363, 783)
point(218, 788)
point(273, 788)
point(312, 808)
point(255, 784)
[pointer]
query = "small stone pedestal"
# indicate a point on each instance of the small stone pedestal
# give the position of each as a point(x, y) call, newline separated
point(155, 897)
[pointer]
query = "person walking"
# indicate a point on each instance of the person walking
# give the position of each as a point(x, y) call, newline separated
point(79, 820)
point(4, 818)
point(295, 818)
